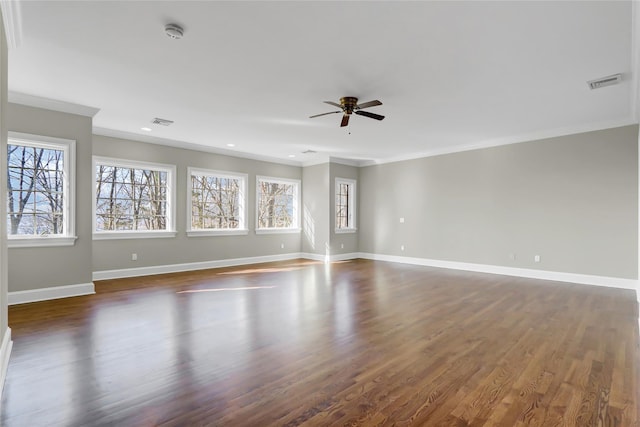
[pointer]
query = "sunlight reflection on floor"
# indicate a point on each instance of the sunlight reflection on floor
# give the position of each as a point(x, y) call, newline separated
point(224, 289)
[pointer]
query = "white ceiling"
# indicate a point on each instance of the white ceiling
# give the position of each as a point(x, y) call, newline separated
point(451, 75)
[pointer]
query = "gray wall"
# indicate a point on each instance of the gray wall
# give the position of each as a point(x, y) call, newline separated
point(315, 209)
point(116, 254)
point(338, 240)
point(4, 300)
point(573, 200)
point(65, 265)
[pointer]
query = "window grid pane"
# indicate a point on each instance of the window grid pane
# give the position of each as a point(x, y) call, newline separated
point(276, 204)
point(216, 202)
point(342, 206)
point(130, 199)
point(35, 191)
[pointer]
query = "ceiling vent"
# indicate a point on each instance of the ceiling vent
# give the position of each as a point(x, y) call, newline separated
point(605, 81)
point(162, 122)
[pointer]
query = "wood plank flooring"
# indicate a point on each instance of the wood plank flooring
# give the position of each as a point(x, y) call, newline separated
point(351, 343)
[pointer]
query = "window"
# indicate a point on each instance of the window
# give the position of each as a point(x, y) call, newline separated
point(277, 202)
point(345, 205)
point(40, 190)
point(133, 199)
point(217, 203)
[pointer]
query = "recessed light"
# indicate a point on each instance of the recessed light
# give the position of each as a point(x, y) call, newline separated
point(146, 129)
point(292, 155)
point(231, 145)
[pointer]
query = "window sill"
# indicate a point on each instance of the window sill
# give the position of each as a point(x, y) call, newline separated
point(42, 242)
point(113, 235)
point(345, 230)
point(278, 230)
point(205, 233)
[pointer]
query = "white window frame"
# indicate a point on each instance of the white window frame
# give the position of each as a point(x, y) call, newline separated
point(242, 210)
point(171, 199)
point(295, 228)
point(68, 147)
point(351, 219)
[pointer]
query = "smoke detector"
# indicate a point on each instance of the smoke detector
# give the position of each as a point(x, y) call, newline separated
point(605, 81)
point(174, 31)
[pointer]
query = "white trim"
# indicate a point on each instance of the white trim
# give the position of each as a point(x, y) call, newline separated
point(39, 241)
point(344, 257)
point(558, 276)
point(44, 294)
point(204, 265)
point(143, 234)
point(51, 104)
point(135, 164)
point(351, 205)
point(12, 17)
point(613, 282)
point(112, 133)
point(5, 354)
point(516, 139)
point(218, 232)
point(242, 209)
point(345, 230)
point(278, 230)
point(296, 204)
point(68, 147)
point(313, 257)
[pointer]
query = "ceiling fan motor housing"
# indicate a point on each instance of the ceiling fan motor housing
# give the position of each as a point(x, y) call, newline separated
point(348, 103)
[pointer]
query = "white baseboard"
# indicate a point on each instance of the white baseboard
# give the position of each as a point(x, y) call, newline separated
point(585, 279)
point(344, 257)
point(176, 268)
point(5, 353)
point(21, 297)
point(313, 257)
point(43, 294)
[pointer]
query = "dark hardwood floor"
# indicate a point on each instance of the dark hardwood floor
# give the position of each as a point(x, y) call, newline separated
point(351, 343)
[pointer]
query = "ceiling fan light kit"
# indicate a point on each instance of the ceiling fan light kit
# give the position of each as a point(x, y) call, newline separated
point(349, 105)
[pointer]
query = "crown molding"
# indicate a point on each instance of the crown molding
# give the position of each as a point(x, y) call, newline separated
point(12, 17)
point(516, 139)
point(51, 104)
point(113, 133)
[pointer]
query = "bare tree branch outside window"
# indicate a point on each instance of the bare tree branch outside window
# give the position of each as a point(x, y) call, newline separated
point(215, 202)
point(130, 199)
point(276, 204)
point(35, 190)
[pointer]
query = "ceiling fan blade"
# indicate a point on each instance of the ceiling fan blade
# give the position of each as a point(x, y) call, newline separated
point(335, 104)
point(370, 115)
point(345, 120)
point(324, 114)
point(368, 104)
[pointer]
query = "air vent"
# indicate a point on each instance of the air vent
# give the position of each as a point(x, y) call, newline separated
point(605, 81)
point(162, 122)
point(309, 152)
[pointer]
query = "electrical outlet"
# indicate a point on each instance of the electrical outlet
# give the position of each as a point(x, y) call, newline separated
point(341, 245)
point(281, 245)
point(536, 258)
point(512, 257)
point(134, 257)
point(402, 247)
point(402, 220)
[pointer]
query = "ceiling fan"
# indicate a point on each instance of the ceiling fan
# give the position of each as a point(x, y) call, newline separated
point(349, 105)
